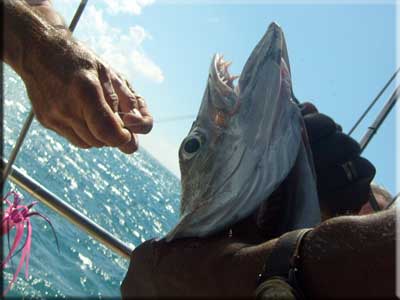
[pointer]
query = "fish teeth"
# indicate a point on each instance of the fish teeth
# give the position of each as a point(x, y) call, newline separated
point(226, 65)
point(220, 61)
point(223, 71)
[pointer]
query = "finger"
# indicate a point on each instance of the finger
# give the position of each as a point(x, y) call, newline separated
point(109, 93)
point(70, 135)
point(147, 119)
point(125, 93)
point(138, 123)
point(307, 108)
point(136, 116)
point(84, 133)
point(319, 126)
point(63, 119)
point(51, 121)
point(105, 126)
point(132, 146)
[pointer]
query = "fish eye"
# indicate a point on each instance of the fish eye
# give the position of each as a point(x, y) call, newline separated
point(192, 145)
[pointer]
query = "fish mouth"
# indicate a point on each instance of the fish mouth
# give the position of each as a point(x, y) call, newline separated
point(270, 47)
point(260, 79)
point(222, 90)
point(224, 78)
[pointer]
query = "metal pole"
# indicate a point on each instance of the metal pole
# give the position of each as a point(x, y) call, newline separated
point(31, 115)
point(51, 200)
point(393, 200)
point(374, 101)
point(373, 129)
point(77, 15)
point(68, 212)
point(18, 144)
point(379, 120)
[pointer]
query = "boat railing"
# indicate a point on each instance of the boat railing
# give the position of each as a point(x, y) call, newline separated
point(45, 196)
point(68, 212)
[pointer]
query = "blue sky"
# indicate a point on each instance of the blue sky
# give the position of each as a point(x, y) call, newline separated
point(341, 55)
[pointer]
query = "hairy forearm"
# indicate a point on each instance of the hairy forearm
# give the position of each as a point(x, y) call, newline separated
point(28, 36)
point(45, 10)
point(34, 48)
point(351, 257)
point(344, 257)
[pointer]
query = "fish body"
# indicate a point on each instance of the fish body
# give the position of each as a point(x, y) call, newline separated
point(242, 145)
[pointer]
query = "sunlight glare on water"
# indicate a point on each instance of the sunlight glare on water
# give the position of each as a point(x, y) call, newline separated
point(132, 196)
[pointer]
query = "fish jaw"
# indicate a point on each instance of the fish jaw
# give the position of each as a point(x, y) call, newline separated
point(265, 88)
point(205, 171)
point(243, 143)
point(269, 49)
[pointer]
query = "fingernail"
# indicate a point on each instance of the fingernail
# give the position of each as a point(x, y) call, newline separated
point(136, 112)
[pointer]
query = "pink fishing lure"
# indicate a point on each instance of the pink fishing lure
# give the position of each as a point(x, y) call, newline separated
point(18, 216)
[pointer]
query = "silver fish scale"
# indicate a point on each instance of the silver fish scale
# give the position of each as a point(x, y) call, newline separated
point(243, 155)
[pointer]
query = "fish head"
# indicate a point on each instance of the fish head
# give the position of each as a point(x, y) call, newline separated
point(231, 119)
point(203, 162)
point(243, 141)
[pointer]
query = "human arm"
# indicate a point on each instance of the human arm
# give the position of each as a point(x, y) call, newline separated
point(72, 91)
point(345, 257)
point(351, 257)
point(45, 9)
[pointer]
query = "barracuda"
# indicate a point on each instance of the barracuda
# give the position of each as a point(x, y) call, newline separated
point(243, 144)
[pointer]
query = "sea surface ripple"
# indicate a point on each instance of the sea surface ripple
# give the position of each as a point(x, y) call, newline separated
point(132, 196)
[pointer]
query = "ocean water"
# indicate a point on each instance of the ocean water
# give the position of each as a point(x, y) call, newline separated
point(132, 196)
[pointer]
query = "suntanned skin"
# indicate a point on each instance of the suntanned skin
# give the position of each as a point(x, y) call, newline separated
point(344, 257)
point(72, 91)
point(44, 8)
point(351, 257)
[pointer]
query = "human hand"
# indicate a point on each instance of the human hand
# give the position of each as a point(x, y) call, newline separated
point(343, 176)
point(217, 266)
point(81, 98)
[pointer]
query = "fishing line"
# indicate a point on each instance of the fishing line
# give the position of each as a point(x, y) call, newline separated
point(187, 117)
point(176, 118)
point(373, 102)
point(163, 120)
